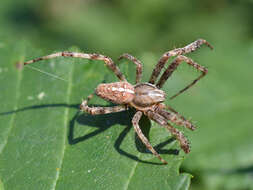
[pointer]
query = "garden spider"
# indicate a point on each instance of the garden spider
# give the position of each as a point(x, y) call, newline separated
point(146, 98)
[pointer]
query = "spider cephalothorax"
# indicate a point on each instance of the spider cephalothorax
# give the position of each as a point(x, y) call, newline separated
point(146, 98)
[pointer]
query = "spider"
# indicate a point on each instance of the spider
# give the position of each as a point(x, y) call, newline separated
point(147, 98)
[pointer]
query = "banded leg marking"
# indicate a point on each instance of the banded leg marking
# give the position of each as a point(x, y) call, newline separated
point(176, 118)
point(179, 51)
point(100, 110)
point(145, 141)
point(172, 67)
point(184, 144)
point(108, 61)
point(137, 63)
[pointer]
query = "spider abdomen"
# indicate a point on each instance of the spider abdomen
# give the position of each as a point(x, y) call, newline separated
point(147, 94)
point(117, 92)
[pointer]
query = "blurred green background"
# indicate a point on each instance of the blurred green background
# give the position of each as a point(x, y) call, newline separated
point(221, 103)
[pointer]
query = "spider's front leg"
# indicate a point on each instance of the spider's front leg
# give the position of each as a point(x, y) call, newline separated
point(144, 140)
point(179, 51)
point(137, 63)
point(173, 66)
point(100, 110)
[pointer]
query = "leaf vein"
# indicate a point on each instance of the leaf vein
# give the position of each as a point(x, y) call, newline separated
point(180, 185)
point(131, 173)
point(19, 78)
point(66, 114)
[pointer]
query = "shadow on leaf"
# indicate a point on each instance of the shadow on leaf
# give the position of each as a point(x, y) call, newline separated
point(104, 122)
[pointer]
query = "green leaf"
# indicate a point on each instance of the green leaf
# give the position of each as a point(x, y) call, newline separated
point(45, 143)
point(221, 156)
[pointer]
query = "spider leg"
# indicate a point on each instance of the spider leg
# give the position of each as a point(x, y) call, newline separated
point(137, 63)
point(179, 51)
point(176, 118)
point(178, 134)
point(172, 67)
point(179, 115)
point(108, 61)
point(100, 110)
point(145, 141)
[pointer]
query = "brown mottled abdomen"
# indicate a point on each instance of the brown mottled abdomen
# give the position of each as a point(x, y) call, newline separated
point(117, 92)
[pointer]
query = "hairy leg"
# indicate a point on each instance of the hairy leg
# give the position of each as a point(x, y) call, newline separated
point(137, 63)
point(176, 118)
point(145, 141)
point(178, 114)
point(100, 110)
point(179, 51)
point(108, 61)
point(173, 66)
point(178, 134)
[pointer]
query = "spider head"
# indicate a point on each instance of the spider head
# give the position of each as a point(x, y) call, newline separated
point(117, 92)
